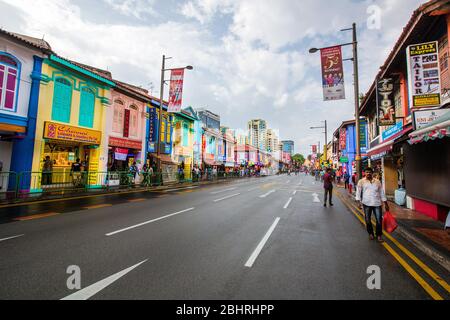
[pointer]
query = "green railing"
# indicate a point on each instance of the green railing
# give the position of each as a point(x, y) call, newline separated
point(28, 185)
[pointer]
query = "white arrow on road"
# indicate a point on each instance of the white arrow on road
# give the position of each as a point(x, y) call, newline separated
point(95, 288)
point(267, 194)
point(316, 197)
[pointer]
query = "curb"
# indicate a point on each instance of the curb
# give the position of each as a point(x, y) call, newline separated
point(422, 246)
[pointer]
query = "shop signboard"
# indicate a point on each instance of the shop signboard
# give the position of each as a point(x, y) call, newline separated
point(153, 125)
point(445, 71)
point(363, 137)
point(392, 131)
point(343, 160)
point(65, 132)
point(126, 124)
point(424, 75)
point(385, 102)
point(332, 73)
point(151, 147)
point(125, 143)
point(423, 118)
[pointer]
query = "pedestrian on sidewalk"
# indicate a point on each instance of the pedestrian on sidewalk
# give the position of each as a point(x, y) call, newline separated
point(328, 187)
point(370, 194)
point(346, 180)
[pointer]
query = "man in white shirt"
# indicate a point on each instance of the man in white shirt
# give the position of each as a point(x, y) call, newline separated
point(370, 194)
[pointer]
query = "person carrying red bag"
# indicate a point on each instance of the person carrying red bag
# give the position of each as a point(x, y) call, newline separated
point(370, 194)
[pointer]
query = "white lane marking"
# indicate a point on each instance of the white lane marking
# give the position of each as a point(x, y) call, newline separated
point(289, 181)
point(316, 197)
point(228, 197)
point(171, 190)
point(147, 222)
point(95, 288)
point(288, 203)
point(260, 246)
point(253, 188)
point(225, 190)
point(294, 193)
point(300, 183)
point(267, 194)
point(9, 238)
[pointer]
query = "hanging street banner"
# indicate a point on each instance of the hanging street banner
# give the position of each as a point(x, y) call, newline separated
point(332, 74)
point(424, 75)
point(314, 149)
point(363, 137)
point(176, 90)
point(385, 102)
point(343, 139)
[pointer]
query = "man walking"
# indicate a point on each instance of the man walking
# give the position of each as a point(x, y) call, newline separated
point(370, 194)
point(328, 187)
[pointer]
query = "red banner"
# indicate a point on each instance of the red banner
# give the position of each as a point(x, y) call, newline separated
point(314, 149)
point(126, 124)
point(343, 139)
point(332, 74)
point(176, 90)
point(124, 143)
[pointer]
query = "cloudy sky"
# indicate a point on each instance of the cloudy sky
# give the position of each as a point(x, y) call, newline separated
point(250, 57)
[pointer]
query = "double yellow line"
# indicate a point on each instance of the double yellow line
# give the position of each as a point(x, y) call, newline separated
point(436, 296)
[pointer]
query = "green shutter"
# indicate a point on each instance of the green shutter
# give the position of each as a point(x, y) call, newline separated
point(87, 105)
point(62, 100)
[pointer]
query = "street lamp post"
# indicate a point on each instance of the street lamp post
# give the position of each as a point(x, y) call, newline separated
point(326, 138)
point(354, 44)
point(161, 103)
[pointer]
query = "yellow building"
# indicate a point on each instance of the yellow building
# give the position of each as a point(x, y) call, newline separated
point(70, 122)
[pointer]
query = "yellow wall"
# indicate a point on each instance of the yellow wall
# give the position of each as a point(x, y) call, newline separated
point(46, 103)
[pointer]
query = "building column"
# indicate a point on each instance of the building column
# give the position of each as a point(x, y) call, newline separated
point(22, 155)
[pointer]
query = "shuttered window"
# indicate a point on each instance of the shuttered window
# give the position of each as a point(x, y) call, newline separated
point(118, 116)
point(9, 82)
point(62, 100)
point(87, 106)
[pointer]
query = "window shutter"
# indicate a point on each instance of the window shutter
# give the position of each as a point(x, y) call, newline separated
point(87, 105)
point(62, 100)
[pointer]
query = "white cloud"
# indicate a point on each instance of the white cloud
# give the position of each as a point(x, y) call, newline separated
point(133, 8)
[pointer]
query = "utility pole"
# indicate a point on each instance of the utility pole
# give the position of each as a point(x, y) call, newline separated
point(161, 97)
point(356, 80)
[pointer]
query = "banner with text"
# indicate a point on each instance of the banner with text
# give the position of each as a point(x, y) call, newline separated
point(343, 139)
point(424, 75)
point(386, 105)
point(176, 90)
point(332, 74)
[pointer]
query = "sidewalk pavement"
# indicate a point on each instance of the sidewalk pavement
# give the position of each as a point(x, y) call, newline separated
point(426, 234)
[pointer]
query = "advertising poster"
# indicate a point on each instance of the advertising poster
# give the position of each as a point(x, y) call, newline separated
point(363, 137)
point(423, 118)
point(386, 105)
point(314, 149)
point(332, 74)
point(445, 72)
point(424, 75)
point(176, 90)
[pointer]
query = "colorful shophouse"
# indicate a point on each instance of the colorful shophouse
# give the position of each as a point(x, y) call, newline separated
point(70, 121)
point(20, 70)
point(125, 129)
point(183, 141)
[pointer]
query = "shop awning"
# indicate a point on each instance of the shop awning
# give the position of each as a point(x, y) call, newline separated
point(381, 149)
point(438, 129)
point(387, 145)
point(165, 158)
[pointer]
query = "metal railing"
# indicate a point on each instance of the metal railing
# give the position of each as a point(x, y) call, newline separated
point(28, 185)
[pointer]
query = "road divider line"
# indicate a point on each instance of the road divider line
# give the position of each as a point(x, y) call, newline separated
point(98, 206)
point(13, 237)
point(36, 216)
point(222, 191)
point(136, 200)
point(294, 193)
point(95, 288)
point(405, 265)
point(288, 203)
point(228, 197)
point(180, 189)
point(260, 246)
point(422, 265)
point(148, 222)
point(267, 194)
point(253, 189)
point(316, 198)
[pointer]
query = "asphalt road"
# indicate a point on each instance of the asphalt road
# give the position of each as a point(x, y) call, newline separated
point(267, 238)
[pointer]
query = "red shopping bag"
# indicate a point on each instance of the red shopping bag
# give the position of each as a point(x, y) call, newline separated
point(389, 222)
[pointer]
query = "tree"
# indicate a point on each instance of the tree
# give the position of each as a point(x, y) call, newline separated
point(299, 158)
